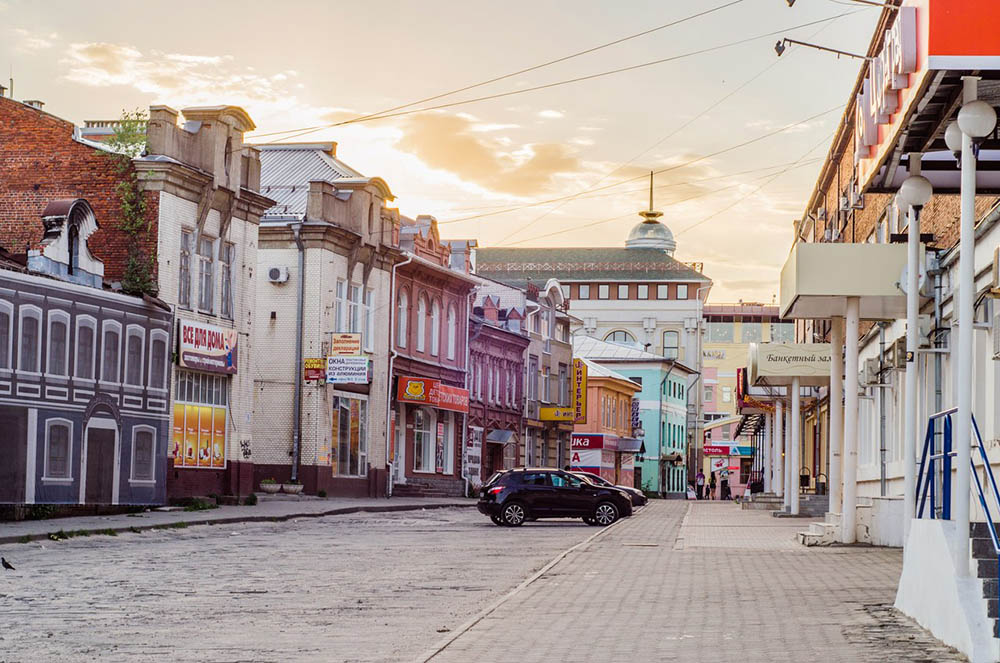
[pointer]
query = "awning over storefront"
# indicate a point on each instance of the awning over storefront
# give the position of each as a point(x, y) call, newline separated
point(500, 436)
point(630, 445)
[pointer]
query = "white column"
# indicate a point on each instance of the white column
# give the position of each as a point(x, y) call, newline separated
point(836, 436)
point(966, 292)
point(796, 450)
point(766, 455)
point(910, 406)
point(779, 445)
point(850, 505)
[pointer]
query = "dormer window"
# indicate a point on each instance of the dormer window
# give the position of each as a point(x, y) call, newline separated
point(74, 249)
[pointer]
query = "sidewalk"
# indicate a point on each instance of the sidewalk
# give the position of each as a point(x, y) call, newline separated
point(269, 508)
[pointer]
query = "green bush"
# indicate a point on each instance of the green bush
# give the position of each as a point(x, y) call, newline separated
point(321, 493)
point(251, 500)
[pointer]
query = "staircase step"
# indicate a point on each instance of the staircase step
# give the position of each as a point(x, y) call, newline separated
point(983, 549)
point(991, 609)
point(986, 568)
point(996, 628)
point(990, 588)
point(981, 530)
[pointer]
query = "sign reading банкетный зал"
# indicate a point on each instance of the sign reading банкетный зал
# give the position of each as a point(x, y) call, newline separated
point(779, 362)
point(206, 347)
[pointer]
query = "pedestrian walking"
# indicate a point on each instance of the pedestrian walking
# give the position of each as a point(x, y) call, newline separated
point(724, 486)
point(700, 483)
point(711, 487)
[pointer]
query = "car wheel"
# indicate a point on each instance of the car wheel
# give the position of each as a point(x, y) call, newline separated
point(514, 514)
point(605, 514)
point(496, 520)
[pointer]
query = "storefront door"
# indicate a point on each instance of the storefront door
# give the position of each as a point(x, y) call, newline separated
point(100, 477)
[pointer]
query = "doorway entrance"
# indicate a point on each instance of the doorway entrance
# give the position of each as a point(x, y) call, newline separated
point(100, 470)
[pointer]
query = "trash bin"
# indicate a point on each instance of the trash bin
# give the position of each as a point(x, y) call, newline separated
point(804, 482)
point(821, 488)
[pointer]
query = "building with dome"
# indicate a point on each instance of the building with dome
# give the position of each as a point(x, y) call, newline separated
point(636, 295)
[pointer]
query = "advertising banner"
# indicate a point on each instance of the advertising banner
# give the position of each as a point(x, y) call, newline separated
point(347, 370)
point(314, 368)
point(426, 391)
point(474, 455)
point(205, 347)
point(587, 441)
point(587, 460)
point(199, 439)
point(579, 388)
point(345, 345)
point(178, 452)
point(218, 437)
point(204, 436)
point(190, 458)
point(780, 362)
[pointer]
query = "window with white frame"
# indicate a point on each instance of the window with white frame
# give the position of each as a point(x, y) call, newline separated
point(424, 445)
point(671, 343)
point(206, 277)
point(603, 291)
point(6, 333)
point(546, 391)
point(727, 394)
point(29, 360)
point(447, 444)
point(158, 359)
point(479, 380)
point(143, 454)
point(111, 335)
point(402, 310)
point(584, 290)
point(421, 323)
point(228, 255)
point(622, 292)
point(134, 342)
point(489, 382)
point(565, 291)
point(682, 291)
point(350, 436)
point(58, 447)
point(86, 340)
point(532, 379)
point(369, 322)
point(452, 331)
point(620, 337)
point(57, 358)
point(642, 292)
point(663, 291)
point(184, 283)
point(354, 308)
point(340, 306)
point(709, 394)
point(435, 327)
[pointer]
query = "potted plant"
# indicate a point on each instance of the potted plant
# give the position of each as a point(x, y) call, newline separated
point(270, 486)
point(292, 487)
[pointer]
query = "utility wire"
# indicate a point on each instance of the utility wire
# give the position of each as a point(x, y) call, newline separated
point(528, 69)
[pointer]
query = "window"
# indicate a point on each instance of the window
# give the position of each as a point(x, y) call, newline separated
point(489, 383)
point(663, 292)
point(158, 359)
point(74, 249)
point(133, 355)
point(444, 459)
point(603, 291)
point(228, 253)
point(206, 279)
point(369, 318)
point(529, 447)
point(184, 287)
point(200, 432)
point(532, 379)
point(682, 291)
point(143, 453)
point(536, 322)
point(622, 292)
point(479, 380)
point(560, 480)
point(30, 339)
point(111, 351)
point(563, 385)
point(354, 309)
point(435, 327)
point(727, 394)
point(782, 332)
point(546, 392)
point(349, 445)
point(58, 435)
point(751, 332)
point(565, 291)
point(423, 441)
point(6, 333)
point(620, 337)
point(642, 292)
point(584, 290)
point(402, 310)
point(421, 323)
point(452, 331)
point(58, 354)
point(709, 394)
point(720, 332)
point(671, 340)
point(86, 335)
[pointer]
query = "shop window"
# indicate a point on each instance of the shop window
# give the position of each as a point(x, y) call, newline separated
point(58, 437)
point(57, 358)
point(206, 275)
point(86, 336)
point(620, 337)
point(200, 419)
point(30, 341)
point(134, 342)
point(184, 282)
point(402, 310)
point(530, 441)
point(671, 342)
point(6, 333)
point(143, 453)
point(584, 290)
point(445, 449)
point(642, 292)
point(111, 352)
point(158, 359)
point(423, 441)
point(349, 447)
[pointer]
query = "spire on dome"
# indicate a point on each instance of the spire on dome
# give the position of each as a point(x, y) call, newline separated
point(651, 233)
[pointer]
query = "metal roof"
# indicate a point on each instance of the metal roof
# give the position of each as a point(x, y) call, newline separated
point(598, 350)
point(517, 266)
point(286, 170)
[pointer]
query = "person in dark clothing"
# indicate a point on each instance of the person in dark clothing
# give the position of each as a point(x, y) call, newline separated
point(711, 487)
point(724, 485)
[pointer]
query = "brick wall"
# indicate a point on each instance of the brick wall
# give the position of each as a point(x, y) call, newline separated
point(40, 162)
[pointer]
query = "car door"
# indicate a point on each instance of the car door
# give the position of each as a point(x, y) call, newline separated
point(572, 496)
point(535, 492)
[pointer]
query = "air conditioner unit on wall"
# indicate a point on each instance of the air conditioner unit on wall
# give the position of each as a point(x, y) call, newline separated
point(277, 274)
point(898, 358)
point(870, 375)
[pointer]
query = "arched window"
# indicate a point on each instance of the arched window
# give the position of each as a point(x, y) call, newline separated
point(621, 337)
point(402, 310)
point(671, 340)
point(435, 327)
point(58, 354)
point(134, 342)
point(421, 323)
point(31, 334)
point(74, 249)
point(452, 331)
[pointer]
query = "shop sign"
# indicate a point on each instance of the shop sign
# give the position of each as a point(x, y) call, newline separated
point(347, 370)
point(728, 450)
point(474, 455)
point(205, 347)
point(432, 392)
point(713, 354)
point(314, 368)
point(556, 414)
point(717, 450)
point(587, 441)
point(585, 460)
point(579, 391)
point(636, 422)
point(345, 345)
point(718, 464)
point(787, 360)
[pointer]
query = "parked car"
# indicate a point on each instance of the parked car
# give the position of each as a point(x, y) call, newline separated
point(638, 497)
point(511, 497)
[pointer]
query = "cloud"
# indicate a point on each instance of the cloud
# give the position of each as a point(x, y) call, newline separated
point(550, 114)
point(29, 42)
point(451, 143)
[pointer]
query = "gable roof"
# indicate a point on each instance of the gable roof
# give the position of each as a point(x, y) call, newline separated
point(517, 266)
point(594, 349)
point(596, 370)
point(286, 170)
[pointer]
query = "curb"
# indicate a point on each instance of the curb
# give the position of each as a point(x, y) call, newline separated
point(488, 610)
point(25, 538)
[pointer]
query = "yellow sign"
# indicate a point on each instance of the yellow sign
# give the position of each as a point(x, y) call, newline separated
point(579, 388)
point(557, 413)
point(199, 436)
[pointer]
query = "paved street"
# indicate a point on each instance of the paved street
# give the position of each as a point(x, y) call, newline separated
point(676, 582)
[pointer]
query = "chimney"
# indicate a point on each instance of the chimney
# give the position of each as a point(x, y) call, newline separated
point(34, 103)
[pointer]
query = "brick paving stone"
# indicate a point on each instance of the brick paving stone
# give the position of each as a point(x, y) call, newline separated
point(727, 585)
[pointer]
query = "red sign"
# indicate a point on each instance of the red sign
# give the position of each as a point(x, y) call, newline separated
point(587, 441)
point(431, 392)
point(716, 451)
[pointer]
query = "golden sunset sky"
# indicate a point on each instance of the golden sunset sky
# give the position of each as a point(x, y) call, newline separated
point(305, 64)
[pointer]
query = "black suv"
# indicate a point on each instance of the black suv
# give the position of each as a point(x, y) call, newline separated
point(638, 497)
point(509, 498)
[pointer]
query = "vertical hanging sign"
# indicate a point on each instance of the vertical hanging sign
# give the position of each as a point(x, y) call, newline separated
point(579, 391)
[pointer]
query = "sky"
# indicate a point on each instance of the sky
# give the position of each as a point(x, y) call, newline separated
point(485, 169)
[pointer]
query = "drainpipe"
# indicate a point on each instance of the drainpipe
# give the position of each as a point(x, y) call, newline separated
point(687, 401)
point(938, 389)
point(392, 357)
point(297, 408)
point(881, 411)
point(468, 387)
